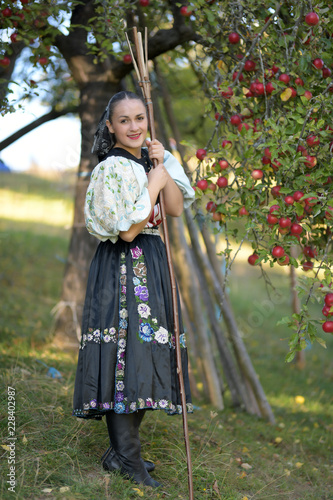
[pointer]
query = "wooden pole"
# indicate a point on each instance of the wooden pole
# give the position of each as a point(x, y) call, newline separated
point(142, 70)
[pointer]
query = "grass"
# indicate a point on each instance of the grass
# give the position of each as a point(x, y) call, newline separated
point(57, 456)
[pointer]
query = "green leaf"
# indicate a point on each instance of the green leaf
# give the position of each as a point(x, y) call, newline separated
point(290, 356)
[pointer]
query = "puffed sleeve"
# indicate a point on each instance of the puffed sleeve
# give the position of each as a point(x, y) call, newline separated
point(116, 198)
point(176, 171)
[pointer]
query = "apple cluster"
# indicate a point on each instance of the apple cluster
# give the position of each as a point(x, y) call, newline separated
point(26, 21)
point(274, 119)
point(328, 313)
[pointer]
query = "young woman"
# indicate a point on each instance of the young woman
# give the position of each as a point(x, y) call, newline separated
point(127, 360)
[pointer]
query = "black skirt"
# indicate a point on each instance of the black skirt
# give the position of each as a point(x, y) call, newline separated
point(127, 358)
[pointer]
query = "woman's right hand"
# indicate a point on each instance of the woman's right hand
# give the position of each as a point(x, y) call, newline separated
point(158, 177)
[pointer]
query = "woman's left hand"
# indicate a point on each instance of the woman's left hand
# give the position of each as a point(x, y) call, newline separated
point(155, 150)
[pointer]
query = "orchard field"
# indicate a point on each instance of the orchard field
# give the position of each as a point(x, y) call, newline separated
point(235, 456)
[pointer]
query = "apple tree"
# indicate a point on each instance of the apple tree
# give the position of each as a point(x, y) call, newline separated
point(266, 173)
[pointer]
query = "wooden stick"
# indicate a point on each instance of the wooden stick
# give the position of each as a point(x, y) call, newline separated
point(145, 84)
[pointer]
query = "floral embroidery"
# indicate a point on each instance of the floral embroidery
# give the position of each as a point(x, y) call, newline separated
point(142, 292)
point(146, 332)
point(162, 335)
point(136, 252)
point(144, 311)
point(98, 336)
point(149, 330)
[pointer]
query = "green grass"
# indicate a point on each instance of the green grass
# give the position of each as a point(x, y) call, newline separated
point(57, 456)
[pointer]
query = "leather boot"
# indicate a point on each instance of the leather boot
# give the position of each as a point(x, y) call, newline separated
point(110, 460)
point(111, 463)
point(124, 436)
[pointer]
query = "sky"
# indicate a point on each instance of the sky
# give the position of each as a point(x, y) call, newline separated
point(52, 146)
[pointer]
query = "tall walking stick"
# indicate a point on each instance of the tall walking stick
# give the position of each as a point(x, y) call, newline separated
point(141, 68)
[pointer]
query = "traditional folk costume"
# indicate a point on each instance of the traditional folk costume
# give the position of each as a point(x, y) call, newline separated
point(127, 359)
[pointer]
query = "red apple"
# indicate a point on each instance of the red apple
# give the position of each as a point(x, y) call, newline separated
point(293, 92)
point(4, 62)
point(227, 93)
point(200, 154)
point(144, 3)
point(312, 19)
point(43, 61)
point(284, 261)
point(284, 222)
point(234, 38)
point(266, 150)
point(298, 195)
point(299, 82)
point(329, 299)
point(284, 78)
point(185, 12)
point(310, 252)
point(235, 74)
point(326, 310)
point(328, 327)
point(226, 144)
point(274, 209)
point(289, 200)
point(223, 164)
point(272, 220)
point(278, 252)
point(242, 126)
point(308, 94)
point(265, 160)
point(311, 201)
point(269, 88)
point(311, 161)
point(211, 207)
point(257, 174)
point(252, 260)
point(312, 140)
point(326, 72)
point(218, 117)
point(235, 120)
point(242, 211)
point(222, 182)
point(249, 65)
point(7, 12)
point(302, 149)
point(212, 186)
point(296, 229)
point(202, 184)
point(13, 37)
point(318, 63)
point(307, 266)
point(275, 191)
point(127, 59)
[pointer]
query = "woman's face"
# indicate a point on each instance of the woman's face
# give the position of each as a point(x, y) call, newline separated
point(129, 123)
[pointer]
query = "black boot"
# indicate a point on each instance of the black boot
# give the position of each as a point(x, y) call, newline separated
point(111, 463)
point(124, 436)
point(110, 460)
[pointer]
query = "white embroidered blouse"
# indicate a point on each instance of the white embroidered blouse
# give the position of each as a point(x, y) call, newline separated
point(117, 195)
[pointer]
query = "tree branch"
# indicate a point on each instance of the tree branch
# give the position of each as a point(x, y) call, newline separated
point(52, 115)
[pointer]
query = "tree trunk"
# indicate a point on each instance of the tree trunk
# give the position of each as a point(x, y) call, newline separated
point(259, 404)
point(94, 98)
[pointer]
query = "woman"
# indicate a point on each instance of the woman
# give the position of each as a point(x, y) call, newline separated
point(127, 358)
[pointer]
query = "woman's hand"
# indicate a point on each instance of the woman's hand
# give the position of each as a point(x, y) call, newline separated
point(155, 150)
point(158, 177)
